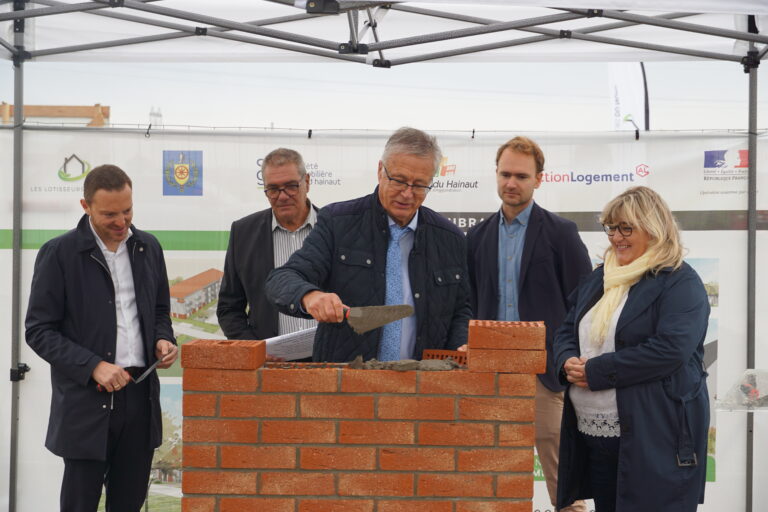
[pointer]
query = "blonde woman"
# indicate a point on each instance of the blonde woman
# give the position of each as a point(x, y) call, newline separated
point(634, 433)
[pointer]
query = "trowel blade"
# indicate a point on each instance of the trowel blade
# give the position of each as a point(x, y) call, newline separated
point(366, 318)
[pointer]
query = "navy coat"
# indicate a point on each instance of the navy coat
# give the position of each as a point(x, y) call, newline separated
point(554, 260)
point(71, 323)
point(661, 393)
point(346, 253)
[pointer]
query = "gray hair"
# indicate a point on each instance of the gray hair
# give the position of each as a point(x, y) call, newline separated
point(283, 156)
point(410, 141)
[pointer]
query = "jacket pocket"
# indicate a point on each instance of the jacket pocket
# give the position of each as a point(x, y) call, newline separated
point(354, 257)
point(448, 276)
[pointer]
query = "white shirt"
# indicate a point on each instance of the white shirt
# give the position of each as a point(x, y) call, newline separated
point(596, 411)
point(129, 347)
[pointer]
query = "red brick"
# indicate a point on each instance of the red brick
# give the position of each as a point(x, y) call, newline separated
point(514, 384)
point(515, 486)
point(375, 484)
point(220, 380)
point(416, 408)
point(378, 381)
point(222, 431)
point(352, 505)
point(297, 484)
point(197, 504)
point(336, 406)
point(199, 404)
point(256, 505)
point(511, 361)
point(454, 485)
point(337, 457)
point(495, 459)
point(198, 456)
point(218, 482)
point(308, 431)
point(494, 506)
point(417, 459)
point(516, 435)
point(497, 409)
point(376, 432)
point(259, 457)
point(258, 406)
point(506, 335)
point(456, 434)
point(415, 506)
point(305, 380)
point(223, 354)
point(457, 382)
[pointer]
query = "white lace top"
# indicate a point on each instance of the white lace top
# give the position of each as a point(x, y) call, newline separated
point(596, 411)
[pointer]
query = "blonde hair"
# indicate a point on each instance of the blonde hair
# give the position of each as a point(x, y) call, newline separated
point(643, 208)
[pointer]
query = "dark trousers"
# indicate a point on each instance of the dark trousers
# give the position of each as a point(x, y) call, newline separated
point(125, 472)
point(603, 459)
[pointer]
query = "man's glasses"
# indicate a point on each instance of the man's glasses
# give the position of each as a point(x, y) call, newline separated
point(290, 190)
point(623, 228)
point(400, 186)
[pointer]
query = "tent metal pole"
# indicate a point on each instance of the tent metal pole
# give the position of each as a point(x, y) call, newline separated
point(18, 153)
point(751, 267)
point(7, 46)
point(47, 11)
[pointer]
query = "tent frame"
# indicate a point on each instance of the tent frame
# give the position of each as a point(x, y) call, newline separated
point(258, 33)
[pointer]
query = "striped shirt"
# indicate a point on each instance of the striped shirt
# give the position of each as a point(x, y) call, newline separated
point(285, 243)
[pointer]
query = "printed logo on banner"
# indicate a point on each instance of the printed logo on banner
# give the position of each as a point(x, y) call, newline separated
point(591, 177)
point(447, 180)
point(74, 168)
point(726, 165)
point(317, 176)
point(182, 173)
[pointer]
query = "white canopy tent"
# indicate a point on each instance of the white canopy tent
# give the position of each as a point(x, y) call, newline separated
point(379, 34)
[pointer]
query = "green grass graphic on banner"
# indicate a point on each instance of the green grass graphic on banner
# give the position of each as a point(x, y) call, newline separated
point(170, 240)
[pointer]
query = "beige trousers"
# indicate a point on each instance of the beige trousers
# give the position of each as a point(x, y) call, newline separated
point(549, 412)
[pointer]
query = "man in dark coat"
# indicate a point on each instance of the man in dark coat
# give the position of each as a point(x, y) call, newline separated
point(523, 263)
point(377, 249)
point(99, 314)
point(260, 242)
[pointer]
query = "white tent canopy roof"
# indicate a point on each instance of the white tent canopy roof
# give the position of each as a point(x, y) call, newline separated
point(405, 32)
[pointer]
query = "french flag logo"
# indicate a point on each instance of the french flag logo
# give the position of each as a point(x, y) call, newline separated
point(726, 158)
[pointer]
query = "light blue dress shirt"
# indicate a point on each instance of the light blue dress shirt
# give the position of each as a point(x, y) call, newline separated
point(408, 332)
point(511, 242)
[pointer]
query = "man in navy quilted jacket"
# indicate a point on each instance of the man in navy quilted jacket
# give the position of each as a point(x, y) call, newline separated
point(384, 248)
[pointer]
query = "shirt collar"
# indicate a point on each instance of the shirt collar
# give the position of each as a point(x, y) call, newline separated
point(523, 217)
point(411, 225)
point(311, 219)
point(99, 241)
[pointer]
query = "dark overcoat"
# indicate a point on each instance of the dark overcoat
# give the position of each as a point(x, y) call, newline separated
point(661, 393)
point(71, 323)
point(346, 254)
point(553, 262)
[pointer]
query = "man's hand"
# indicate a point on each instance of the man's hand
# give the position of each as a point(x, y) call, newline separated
point(462, 348)
point(324, 307)
point(576, 371)
point(166, 351)
point(110, 376)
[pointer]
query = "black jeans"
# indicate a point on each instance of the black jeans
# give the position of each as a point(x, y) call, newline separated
point(125, 472)
point(603, 455)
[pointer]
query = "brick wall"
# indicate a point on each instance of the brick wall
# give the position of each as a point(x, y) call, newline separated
point(325, 438)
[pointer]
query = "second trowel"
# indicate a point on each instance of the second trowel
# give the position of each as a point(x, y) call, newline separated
point(365, 318)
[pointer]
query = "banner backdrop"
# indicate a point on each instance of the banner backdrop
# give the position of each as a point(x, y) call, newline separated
point(190, 186)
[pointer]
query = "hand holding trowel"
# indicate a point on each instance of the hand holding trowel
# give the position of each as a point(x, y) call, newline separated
point(327, 307)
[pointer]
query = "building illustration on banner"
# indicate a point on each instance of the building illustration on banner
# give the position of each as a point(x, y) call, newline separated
point(182, 173)
point(192, 294)
point(74, 168)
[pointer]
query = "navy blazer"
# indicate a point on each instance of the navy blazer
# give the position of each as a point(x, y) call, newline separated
point(554, 260)
point(71, 323)
point(661, 393)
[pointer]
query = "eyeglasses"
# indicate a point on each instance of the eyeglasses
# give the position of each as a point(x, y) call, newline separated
point(624, 228)
point(290, 190)
point(400, 186)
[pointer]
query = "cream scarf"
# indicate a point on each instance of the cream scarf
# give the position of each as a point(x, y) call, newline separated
point(617, 280)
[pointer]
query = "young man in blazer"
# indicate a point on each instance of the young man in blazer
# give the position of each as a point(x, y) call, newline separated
point(523, 263)
point(260, 242)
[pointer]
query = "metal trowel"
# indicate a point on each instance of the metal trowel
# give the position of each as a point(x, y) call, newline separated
point(365, 318)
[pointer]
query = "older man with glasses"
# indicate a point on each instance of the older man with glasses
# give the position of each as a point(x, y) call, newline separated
point(260, 242)
point(384, 248)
